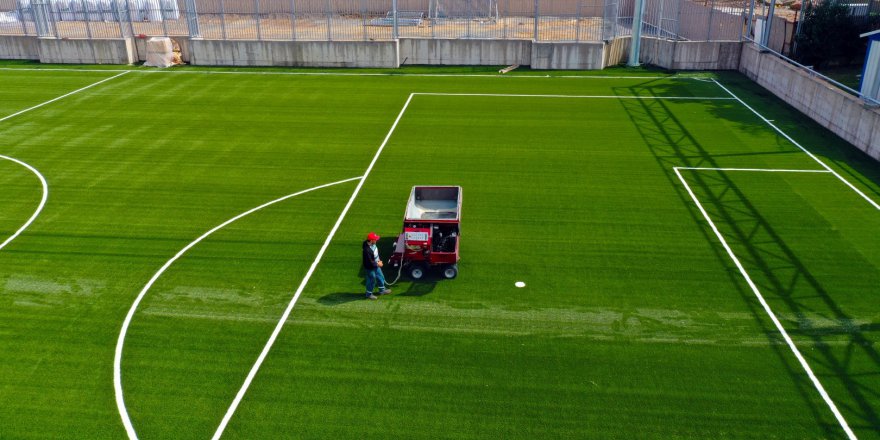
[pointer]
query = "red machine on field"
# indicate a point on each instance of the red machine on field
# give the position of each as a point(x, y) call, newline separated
point(430, 232)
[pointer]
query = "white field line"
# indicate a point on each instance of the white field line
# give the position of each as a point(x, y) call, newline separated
point(843, 424)
point(305, 280)
point(39, 207)
point(759, 170)
point(117, 359)
point(452, 75)
point(63, 96)
point(778, 130)
point(503, 95)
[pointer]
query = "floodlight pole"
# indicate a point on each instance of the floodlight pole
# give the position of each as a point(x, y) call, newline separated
point(635, 48)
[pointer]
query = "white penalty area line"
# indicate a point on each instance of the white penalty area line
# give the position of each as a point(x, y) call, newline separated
point(757, 170)
point(39, 207)
point(120, 342)
point(506, 95)
point(778, 130)
point(65, 95)
point(818, 385)
point(305, 280)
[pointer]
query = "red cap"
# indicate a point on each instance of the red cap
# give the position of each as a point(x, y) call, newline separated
point(372, 236)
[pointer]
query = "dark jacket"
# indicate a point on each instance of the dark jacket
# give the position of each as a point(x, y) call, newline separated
point(369, 257)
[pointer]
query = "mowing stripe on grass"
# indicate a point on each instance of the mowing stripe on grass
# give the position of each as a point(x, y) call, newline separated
point(39, 207)
point(305, 280)
point(842, 421)
point(64, 96)
point(778, 130)
point(503, 95)
point(117, 358)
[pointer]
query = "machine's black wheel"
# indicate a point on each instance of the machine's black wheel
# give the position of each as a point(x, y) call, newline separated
point(450, 271)
point(417, 271)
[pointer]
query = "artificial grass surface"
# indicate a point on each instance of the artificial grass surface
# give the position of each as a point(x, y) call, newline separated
point(634, 322)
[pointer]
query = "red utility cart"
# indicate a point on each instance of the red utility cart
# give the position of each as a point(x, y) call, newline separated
point(430, 232)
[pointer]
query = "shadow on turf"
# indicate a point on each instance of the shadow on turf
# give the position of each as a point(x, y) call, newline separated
point(774, 266)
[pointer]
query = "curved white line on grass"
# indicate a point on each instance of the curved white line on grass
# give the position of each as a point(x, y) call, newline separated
point(117, 359)
point(39, 208)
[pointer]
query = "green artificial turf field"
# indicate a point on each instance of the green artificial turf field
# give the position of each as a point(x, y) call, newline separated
point(648, 214)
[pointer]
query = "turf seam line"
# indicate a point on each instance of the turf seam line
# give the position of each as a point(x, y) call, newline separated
point(504, 95)
point(39, 207)
point(778, 130)
point(305, 280)
point(63, 96)
point(453, 75)
point(760, 170)
point(818, 385)
point(117, 359)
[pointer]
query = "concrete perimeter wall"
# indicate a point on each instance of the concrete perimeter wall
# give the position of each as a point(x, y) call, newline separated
point(85, 51)
point(691, 55)
point(465, 52)
point(840, 112)
point(576, 56)
point(19, 48)
point(293, 53)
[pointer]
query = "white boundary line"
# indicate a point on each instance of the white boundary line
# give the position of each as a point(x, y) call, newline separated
point(503, 95)
point(840, 419)
point(39, 207)
point(120, 342)
point(63, 96)
point(452, 75)
point(305, 280)
point(778, 130)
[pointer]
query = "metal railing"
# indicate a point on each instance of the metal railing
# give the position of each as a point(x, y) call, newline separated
point(809, 70)
point(365, 20)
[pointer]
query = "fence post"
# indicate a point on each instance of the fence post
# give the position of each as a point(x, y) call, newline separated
point(88, 19)
point(752, 17)
point(709, 24)
point(765, 40)
point(257, 19)
point(192, 19)
point(293, 19)
point(223, 19)
point(469, 17)
point(395, 30)
point(505, 18)
point(537, 16)
point(327, 11)
point(577, 23)
point(41, 18)
point(162, 16)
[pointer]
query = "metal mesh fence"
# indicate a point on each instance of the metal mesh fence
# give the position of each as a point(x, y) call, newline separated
point(365, 20)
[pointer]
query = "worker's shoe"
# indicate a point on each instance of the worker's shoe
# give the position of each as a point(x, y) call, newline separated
point(385, 292)
point(371, 296)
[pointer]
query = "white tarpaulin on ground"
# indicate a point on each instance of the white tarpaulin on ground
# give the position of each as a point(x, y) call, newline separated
point(159, 52)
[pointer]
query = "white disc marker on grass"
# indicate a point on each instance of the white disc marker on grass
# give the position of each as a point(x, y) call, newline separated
point(519, 284)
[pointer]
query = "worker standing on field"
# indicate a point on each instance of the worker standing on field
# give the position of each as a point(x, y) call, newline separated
point(373, 267)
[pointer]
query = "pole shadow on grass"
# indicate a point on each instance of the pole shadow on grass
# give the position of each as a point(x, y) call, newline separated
point(773, 265)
